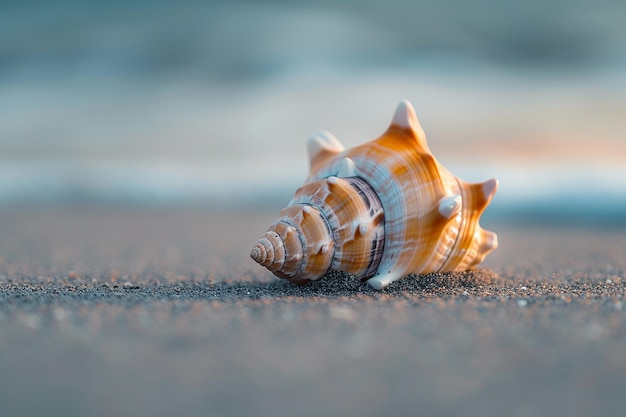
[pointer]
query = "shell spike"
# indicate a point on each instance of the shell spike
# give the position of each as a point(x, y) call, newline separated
point(489, 189)
point(321, 146)
point(347, 168)
point(450, 205)
point(481, 193)
point(406, 119)
point(487, 241)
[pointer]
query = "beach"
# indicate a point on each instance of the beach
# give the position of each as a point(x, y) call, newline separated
point(139, 312)
point(146, 145)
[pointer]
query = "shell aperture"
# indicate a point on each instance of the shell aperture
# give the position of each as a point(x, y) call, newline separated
point(381, 211)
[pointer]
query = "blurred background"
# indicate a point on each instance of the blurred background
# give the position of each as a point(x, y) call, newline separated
point(157, 103)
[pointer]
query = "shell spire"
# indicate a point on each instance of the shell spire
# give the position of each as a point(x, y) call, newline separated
point(381, 211)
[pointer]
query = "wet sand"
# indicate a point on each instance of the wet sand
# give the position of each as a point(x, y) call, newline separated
point(107, 312)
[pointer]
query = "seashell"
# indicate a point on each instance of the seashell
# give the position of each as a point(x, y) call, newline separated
point(381, 211)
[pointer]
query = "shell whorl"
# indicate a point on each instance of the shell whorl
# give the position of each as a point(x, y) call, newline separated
point(269, 251)
point(334, 223)
point(381, 210)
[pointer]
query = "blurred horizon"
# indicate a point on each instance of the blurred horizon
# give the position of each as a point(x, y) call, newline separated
point(157, 103)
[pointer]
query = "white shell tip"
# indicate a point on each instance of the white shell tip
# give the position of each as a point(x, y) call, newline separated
point(323, 141)
point(376, 283)
point(380, 281)
point(347, 168)
point(490, 187)
point(491, 240)
point(404, 116)
point(255, 253)
point(450, 205)
point(363, 229)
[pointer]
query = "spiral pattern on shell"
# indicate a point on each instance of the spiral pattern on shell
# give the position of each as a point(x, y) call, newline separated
point(381, 211)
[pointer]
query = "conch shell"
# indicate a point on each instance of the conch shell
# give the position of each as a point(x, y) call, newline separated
point(381, 211)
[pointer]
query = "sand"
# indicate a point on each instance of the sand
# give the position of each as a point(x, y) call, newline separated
point(108, 312)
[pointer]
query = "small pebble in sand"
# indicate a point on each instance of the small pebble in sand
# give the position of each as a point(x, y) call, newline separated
point(522, 302)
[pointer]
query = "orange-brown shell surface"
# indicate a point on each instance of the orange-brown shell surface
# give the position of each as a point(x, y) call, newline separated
point(381, 211)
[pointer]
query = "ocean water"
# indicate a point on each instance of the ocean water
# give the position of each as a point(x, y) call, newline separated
point(154, 103)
